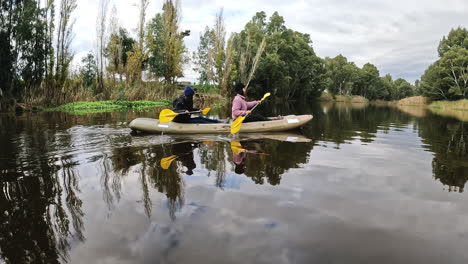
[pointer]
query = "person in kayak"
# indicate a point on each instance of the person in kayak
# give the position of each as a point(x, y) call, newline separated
point(240, 107)
point(184, 104)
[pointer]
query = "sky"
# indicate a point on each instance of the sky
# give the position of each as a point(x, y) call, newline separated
point(400, 37)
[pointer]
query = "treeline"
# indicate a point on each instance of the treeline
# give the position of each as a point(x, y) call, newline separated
point(35, 53)
point(35, 58)
point(345, 78)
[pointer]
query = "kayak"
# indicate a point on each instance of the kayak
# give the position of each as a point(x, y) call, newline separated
point(152, 125)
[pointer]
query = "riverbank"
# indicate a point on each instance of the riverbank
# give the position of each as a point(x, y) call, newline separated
point(457, 109)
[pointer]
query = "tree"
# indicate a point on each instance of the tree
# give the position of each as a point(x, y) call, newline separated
point(369, 84)
point(64, 55)
point(341, 75)
point(165, 43)
point(289, 67)
point(456, 38)
point(404, 89)
point(447, 78)
point(117, 49)
point(214, 57)
point(88, 71)
point(100, 42)
point(23, 46)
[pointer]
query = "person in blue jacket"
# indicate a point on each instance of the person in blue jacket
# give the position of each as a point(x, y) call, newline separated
point(184, 105)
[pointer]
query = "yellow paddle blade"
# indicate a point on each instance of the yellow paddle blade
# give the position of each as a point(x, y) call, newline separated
point(236, 147)
point(167, 115)
point(166, 162)
point(265, 96)
point(206, 110)
point(236, 125)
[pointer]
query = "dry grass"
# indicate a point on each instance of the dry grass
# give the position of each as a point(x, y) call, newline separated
point(354, 99)
point(383, 103)
point(359, 100)
point(326, 97)
point(457, 109)
point(414, 100)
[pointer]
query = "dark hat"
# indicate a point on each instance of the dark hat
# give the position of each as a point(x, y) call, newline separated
point(188, 91)
point(239, 86)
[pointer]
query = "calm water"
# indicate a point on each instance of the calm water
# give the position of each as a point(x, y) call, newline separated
point(357, 185)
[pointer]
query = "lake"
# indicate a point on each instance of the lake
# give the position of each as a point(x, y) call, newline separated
point(359, 184)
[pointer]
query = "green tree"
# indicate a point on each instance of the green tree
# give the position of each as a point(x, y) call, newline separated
point(23, 47)
point(88, 71)
point(165, 43)
point(456, 38)
point(403, 88)
point(289, 67)
point(369, 84)
point(214, 57)
point(120, 43)
point(341, 75)
point(447, 78)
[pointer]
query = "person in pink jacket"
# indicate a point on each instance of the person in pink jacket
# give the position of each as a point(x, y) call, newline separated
point(240, 107)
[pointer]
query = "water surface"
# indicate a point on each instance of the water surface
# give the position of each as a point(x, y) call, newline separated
point(356, 185)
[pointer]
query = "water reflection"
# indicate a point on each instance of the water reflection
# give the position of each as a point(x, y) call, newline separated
point(47, 161)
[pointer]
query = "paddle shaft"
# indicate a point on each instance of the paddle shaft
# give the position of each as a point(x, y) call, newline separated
point(193, 112)
point(252, 110)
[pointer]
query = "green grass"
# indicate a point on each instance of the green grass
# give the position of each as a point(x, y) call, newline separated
point(105, 106)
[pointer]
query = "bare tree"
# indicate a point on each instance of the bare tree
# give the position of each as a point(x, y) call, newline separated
point(64, 55)
point(101, 42)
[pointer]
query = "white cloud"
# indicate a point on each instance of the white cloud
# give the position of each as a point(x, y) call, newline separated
point(400, 37)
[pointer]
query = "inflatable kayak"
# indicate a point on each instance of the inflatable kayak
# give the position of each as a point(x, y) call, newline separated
point(151, 125)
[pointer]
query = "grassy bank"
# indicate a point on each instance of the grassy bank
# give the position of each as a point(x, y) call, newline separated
point(354, 99)
point(457, 109)
point(105, 106)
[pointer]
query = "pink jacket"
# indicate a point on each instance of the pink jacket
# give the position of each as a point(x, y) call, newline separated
point(239, 106)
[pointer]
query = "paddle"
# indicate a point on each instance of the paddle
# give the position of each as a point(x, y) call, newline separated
point(168, 115)
point(236, 125)
point(166, 162)
point(237, 148)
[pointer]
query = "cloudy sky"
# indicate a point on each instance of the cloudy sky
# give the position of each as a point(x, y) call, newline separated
point(400, 36)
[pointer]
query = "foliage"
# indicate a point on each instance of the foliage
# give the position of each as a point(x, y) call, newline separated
point(24, 46)
point(88, 71)
point(117, 49)
point(289, 68)
point(165, 43)
point(214, 57)
point(341, 75)
point(447, 78)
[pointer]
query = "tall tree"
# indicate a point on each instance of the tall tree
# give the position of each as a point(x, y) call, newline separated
point(214, 57)
point(101, 28)
point(64, 55)
point(23, 42)
point(117, 49)
point(88, 70)
point(289, 67)
point(341, 75)
point(165, 43)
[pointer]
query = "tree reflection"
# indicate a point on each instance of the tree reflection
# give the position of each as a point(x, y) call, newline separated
point(446, 138)
point(39, 203)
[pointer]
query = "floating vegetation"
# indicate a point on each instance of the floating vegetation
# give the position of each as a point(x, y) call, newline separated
point(105, 106)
